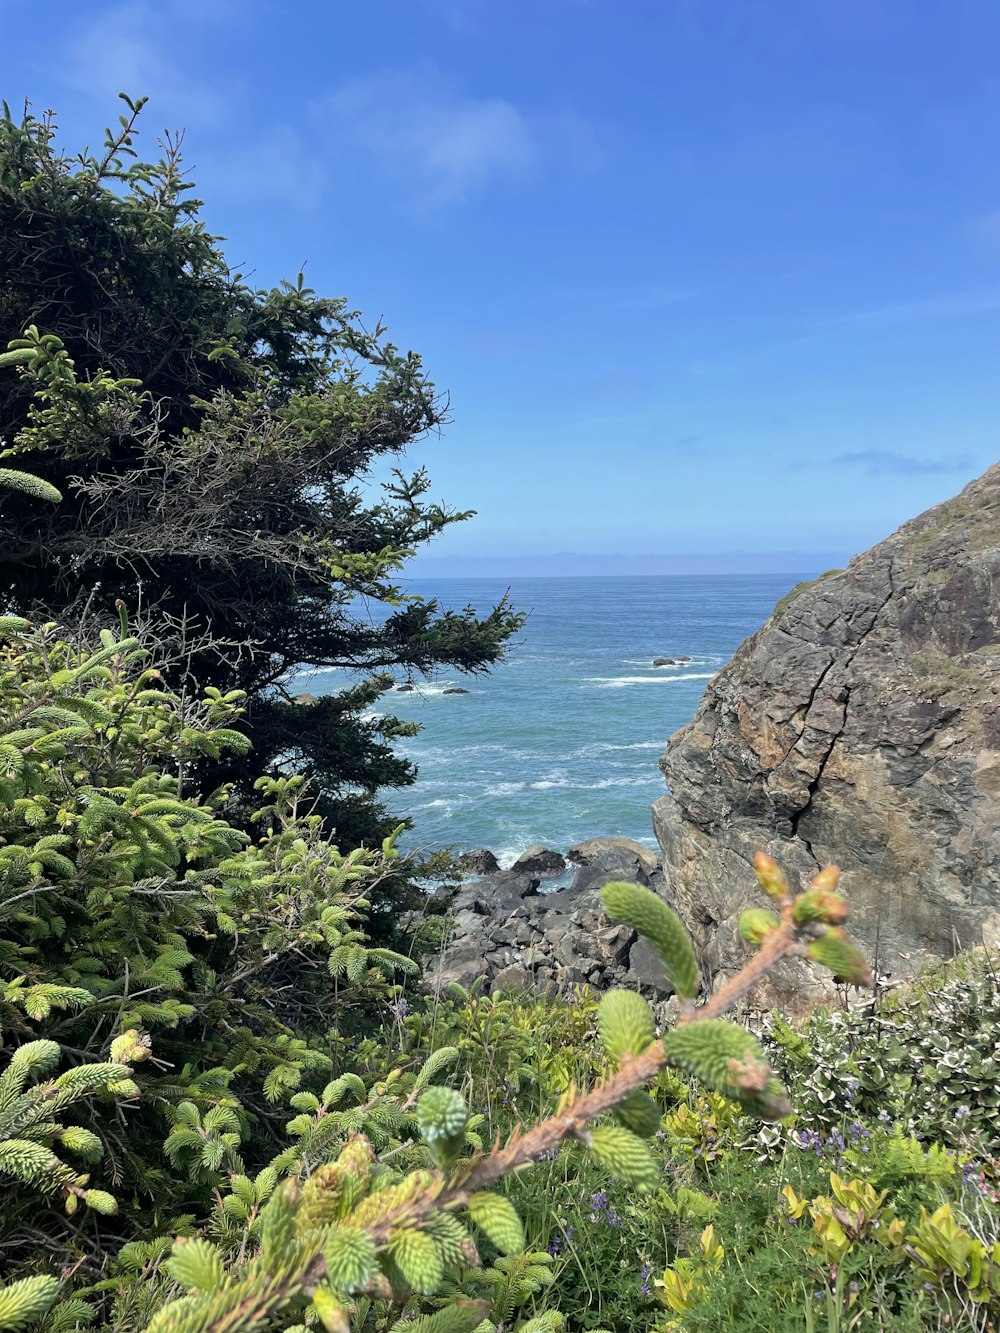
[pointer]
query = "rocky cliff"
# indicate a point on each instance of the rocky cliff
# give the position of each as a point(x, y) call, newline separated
point(860, 725)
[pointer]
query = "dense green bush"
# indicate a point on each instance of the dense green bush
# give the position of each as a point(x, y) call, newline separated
point(256, 1124)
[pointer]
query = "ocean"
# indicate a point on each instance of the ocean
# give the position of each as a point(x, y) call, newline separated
point(561, 741)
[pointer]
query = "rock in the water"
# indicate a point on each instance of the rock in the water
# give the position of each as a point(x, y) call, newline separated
point(455, 689)
point(664, 661)
point(539, 860)
point(480, 862)
point(587, 853)
point(861, 726)
point(682, 659)
point(404, 689)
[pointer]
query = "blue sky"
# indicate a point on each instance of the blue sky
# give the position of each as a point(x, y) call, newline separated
point(701, 277)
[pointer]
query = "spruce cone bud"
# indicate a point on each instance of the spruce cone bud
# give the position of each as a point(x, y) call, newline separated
point(769, 876)
point(756, 924)
point(827, 878)
point(820, 905)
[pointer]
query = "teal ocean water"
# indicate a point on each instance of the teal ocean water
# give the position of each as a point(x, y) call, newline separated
point(561, 741)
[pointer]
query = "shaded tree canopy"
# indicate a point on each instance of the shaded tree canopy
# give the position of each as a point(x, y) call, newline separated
point(218, 449)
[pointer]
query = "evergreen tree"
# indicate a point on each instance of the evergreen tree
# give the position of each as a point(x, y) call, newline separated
point(225, 459)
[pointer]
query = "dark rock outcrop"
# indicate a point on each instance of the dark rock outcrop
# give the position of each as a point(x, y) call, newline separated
point(664, 661)
point(480, 862)
point(503, 929)
point(635, 860)
point(860, 725)
point(539, 860)
point(455, 689)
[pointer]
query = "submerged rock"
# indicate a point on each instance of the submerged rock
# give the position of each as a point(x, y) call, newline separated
point(861, 726)
point(664, 661)
point(455, 689)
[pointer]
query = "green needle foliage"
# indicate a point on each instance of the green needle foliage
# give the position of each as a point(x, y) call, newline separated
point(190, 1059)
point(231, 457)
point(650, 916)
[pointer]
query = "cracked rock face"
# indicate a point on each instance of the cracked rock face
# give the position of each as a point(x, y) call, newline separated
point(861, 726)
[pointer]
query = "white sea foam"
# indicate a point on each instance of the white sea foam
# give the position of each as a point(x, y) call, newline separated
point(504, 788)
point(619, 682)
point(606, 747)
point(446, 804)
point(423, 690)
point(546, 783)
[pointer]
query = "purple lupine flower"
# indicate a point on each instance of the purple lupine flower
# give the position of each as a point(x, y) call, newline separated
point(644, 1275)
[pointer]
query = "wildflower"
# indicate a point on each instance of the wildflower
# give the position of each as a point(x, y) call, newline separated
point(644, 1275)
point(400, 1009)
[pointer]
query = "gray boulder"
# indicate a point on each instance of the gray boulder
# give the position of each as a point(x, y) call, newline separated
point(539, 860)
point(480, 862)
point(594, 849)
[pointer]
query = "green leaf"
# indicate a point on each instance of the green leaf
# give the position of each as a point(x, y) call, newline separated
point(101, 1202)
point(639, 1113)
point(460, 1318)
point(436, 1063)
point(417, 1258)
point(641, 909)
point(729, 1060)
point(350, 1258)
point(442, 1113)
point(497, 1219)
point(625, 1156)
point(23, 1302)
point(625, 1023)
point(196, 1263)
point(757, 923)
point(835, 950)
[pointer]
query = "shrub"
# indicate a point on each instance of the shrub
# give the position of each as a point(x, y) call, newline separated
point(213, 989)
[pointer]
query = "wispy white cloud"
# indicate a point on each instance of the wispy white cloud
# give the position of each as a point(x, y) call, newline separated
point(280, 167)
point(135, 47)
point(886, 463)
point(441, 147)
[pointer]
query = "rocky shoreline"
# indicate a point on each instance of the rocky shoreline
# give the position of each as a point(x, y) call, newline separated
point(859, 725)
point(520, 927)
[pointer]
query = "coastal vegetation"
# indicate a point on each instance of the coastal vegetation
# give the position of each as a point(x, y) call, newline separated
point(227, 459)
point(228, 1099)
